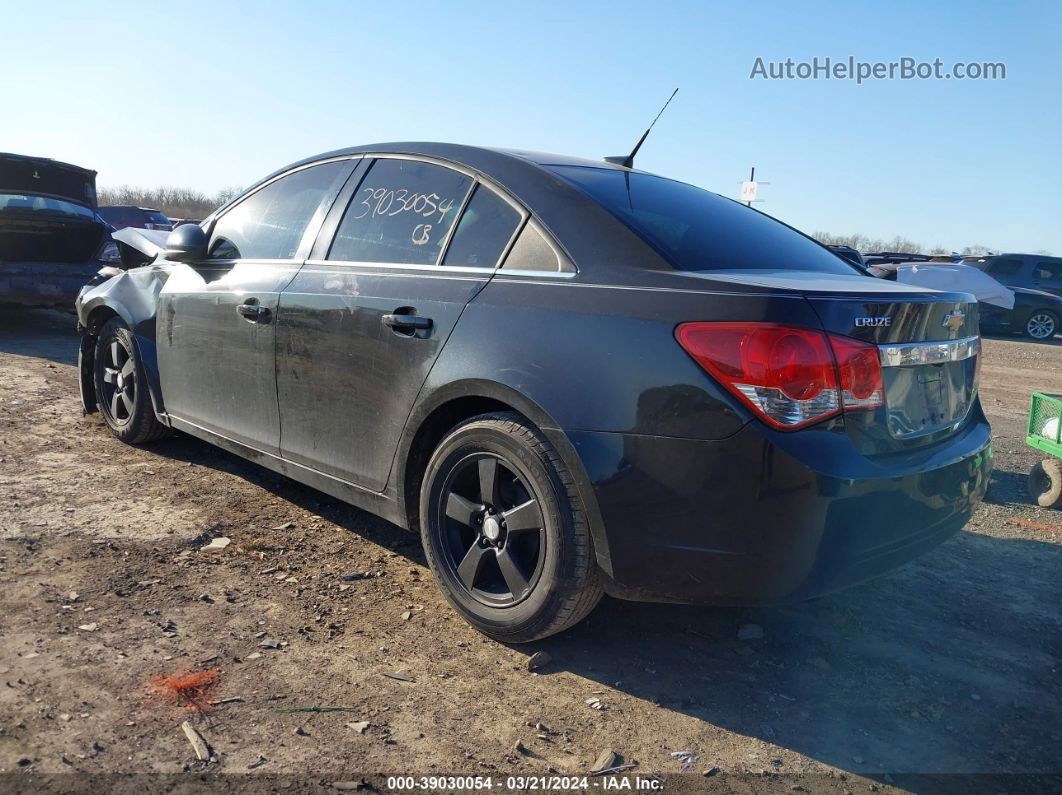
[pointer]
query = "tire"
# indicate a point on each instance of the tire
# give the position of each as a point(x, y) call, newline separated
point(121, 387)
point(514, 576)
point(1045, 483)
point(1042, 324)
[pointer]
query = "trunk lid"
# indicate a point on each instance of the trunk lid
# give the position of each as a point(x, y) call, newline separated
point(40, 176)
point(928, 342)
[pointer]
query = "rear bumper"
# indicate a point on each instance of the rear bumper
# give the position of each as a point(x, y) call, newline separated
point(766, 517)
point(45, 283)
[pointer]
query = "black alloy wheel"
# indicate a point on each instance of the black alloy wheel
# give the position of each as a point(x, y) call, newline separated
point(504, 530)
point(121, 387)
point(118, 389)
point(493, 529)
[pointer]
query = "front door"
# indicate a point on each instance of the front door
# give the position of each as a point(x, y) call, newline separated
point(362, 323)
point(216, 321)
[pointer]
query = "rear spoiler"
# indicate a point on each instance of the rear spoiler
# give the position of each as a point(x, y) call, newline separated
point(41, 176)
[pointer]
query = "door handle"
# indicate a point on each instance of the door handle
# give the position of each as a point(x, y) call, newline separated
point(253, 311)
point(407, 322)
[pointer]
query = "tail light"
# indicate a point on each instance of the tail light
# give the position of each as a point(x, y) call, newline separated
point(791, 377)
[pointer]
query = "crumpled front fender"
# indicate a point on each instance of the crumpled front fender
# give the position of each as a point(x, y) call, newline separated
point(133, 296)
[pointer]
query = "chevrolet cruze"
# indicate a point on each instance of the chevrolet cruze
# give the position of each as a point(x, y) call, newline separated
point(570, 377)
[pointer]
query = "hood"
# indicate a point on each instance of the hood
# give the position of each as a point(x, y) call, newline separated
point(151, 243)
point(41, 176)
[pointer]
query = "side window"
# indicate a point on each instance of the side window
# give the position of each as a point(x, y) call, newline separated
point(269, 223)
point(1004, 267)
point(1048, 271)
point(485, 229)
point(401, 213)
point(533, 252)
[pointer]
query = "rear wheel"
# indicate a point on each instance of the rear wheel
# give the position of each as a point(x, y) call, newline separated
point(504, 531)
point(1041, 325)
point(121, 387)
point(1045, 483)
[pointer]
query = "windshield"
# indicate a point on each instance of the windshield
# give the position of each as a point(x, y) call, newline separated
point(697, 230)
point(20, 203)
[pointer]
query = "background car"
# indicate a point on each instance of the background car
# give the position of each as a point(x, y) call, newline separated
point(1036, 314)
point(182, 221)
point(52, 240)
point(885, 257)
point(1028, 271)
point(121, 216)
point(850, 254)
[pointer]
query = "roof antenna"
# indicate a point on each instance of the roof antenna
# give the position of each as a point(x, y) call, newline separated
point(627, 161)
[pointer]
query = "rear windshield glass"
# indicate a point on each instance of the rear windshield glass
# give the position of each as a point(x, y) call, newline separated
point(18, 203)
point(697, 230)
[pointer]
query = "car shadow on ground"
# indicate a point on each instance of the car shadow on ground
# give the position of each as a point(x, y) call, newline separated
point(1008, 488)
point(188, 449)
point(948, 664)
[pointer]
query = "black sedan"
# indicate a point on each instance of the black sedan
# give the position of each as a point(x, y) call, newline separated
point(569, 376)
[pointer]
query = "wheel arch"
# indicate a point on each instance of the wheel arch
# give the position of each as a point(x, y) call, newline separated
point(93, 315)
point(434, 416)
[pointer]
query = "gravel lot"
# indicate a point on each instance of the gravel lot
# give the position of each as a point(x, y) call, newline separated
point(950, 665)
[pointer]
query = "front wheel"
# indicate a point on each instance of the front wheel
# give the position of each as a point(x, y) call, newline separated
point(1041, 325)
point(121, 386)
point(504, 531)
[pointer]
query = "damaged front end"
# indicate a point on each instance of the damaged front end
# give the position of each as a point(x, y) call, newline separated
point(129, 292)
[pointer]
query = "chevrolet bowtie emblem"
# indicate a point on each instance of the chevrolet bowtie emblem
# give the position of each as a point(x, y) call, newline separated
point(953, 320)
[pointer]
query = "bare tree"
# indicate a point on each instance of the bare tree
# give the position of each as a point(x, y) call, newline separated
point(174, 202)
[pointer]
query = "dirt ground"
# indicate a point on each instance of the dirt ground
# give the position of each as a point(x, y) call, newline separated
point(949, 665)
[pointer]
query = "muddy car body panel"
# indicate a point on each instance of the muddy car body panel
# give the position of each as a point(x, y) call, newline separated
point(345, 372)
point(51, 237)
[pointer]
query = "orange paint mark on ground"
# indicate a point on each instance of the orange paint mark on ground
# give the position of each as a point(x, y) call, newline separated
point(1035, 525)
point(189, 689)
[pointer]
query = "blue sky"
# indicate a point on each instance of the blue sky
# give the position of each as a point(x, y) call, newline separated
point(207, 95)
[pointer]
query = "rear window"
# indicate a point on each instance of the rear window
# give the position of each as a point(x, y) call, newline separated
point(19, 203)
point(697, 230)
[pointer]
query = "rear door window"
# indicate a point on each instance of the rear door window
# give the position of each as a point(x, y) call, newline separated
point(269, 223)
point(484, 231)
point(401, 213)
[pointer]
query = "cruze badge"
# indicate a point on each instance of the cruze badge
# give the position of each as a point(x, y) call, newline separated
point(872, 322)
point(953, 320)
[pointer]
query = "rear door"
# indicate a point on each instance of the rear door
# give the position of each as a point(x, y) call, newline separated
point(405, 248)
point(216, 322)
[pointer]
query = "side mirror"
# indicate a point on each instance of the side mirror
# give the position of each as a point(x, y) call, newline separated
point(187, 243)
